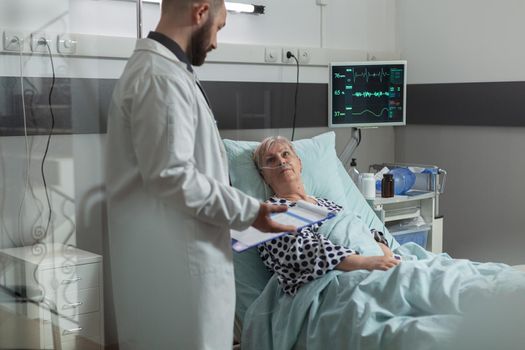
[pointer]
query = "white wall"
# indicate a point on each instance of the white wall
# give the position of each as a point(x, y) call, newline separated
point(469, 41)
point(462, 41)
point(360, 25)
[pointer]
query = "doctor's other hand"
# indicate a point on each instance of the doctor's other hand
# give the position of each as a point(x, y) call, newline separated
point(264, 223)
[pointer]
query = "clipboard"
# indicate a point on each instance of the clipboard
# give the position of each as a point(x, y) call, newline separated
point(301, 215)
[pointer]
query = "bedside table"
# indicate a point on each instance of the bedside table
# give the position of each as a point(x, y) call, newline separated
point(420, 204)
point(67, 277)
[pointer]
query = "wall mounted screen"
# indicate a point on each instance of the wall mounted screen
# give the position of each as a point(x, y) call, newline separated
point(367, 94)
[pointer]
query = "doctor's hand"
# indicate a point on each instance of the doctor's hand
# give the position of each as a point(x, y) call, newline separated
point(264, 223)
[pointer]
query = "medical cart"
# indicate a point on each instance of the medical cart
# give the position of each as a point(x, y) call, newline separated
point(414, 217)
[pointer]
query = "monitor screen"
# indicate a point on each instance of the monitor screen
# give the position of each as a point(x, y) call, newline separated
point(367, 94)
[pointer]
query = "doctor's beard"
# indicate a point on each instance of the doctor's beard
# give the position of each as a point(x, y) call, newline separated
point(199, 47)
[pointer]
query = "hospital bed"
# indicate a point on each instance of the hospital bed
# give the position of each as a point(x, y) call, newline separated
point(266, 318)
point(323, 175)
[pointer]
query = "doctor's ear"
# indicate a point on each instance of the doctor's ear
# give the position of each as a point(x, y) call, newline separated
point(200, 13)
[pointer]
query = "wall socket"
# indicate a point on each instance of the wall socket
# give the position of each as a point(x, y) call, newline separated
point(304, 56)
point(66, 44)
point(37, 42)
point(272, 54)
point(291, 59)
point(13, 41)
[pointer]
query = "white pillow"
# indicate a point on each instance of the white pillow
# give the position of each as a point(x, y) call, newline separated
point(320, 174)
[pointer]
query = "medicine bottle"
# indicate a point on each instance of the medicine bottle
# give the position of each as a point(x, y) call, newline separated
point(387, 186)
point(368, 186)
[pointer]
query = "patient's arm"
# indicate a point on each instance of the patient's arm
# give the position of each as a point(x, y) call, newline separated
point(360, 262)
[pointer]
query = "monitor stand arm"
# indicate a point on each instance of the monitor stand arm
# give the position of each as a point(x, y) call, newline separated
point(346, 155)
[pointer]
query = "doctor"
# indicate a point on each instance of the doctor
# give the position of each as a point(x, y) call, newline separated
point(170, 207)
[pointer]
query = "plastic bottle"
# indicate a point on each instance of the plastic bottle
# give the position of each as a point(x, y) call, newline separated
point(404, 179)
point(387, 186)
point(368, 186)
point(354, 173)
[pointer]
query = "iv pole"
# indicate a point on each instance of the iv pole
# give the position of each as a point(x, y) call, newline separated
point(139, 19)
point(349, 149)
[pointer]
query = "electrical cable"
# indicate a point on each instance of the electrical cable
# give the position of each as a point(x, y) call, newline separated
point(28, 163)
point(19, 222)
point(322, 26)
point(30, 93)
point(48, 138)
point(291, 55)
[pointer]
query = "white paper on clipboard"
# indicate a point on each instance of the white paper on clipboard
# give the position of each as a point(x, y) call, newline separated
point(301, 215)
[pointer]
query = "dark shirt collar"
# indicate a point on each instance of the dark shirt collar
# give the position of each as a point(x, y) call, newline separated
point(177, 51)
point(172, 46)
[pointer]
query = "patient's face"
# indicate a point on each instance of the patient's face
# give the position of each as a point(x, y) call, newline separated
point(280, 166)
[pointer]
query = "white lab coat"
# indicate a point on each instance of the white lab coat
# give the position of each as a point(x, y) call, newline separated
point(169, 209)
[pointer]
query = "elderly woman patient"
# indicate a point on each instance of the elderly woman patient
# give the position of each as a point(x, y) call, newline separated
point(299, 258)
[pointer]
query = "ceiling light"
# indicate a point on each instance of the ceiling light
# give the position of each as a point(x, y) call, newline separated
point(244, 8)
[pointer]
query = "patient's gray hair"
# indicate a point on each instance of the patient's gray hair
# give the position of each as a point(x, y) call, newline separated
point(266, 144)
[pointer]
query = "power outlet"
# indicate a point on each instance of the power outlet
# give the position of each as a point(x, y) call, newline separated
point(39, 42)
point(370, 57)
point(13, 41)
point(272, 54)
point(304, 56)
point(290, 60)
point(66, 44)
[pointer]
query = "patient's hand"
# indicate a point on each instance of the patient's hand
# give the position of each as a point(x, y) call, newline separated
point(386, 250)
point(379, 262)
point(360, 262)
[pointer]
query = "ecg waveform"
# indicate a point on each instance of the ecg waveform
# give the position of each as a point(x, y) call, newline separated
point(366, 94)
point(372, 112)
point(367, 75)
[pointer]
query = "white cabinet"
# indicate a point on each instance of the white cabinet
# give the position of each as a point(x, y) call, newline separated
point(70, 280)
point(398, 209)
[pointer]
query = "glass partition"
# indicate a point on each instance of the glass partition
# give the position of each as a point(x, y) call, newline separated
point(59, 61)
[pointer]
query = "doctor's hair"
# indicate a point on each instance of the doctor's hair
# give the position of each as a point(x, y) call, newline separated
point(265, 146)
point(183, 5)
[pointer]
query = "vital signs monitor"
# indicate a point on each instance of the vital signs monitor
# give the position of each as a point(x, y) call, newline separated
point(367, 94)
